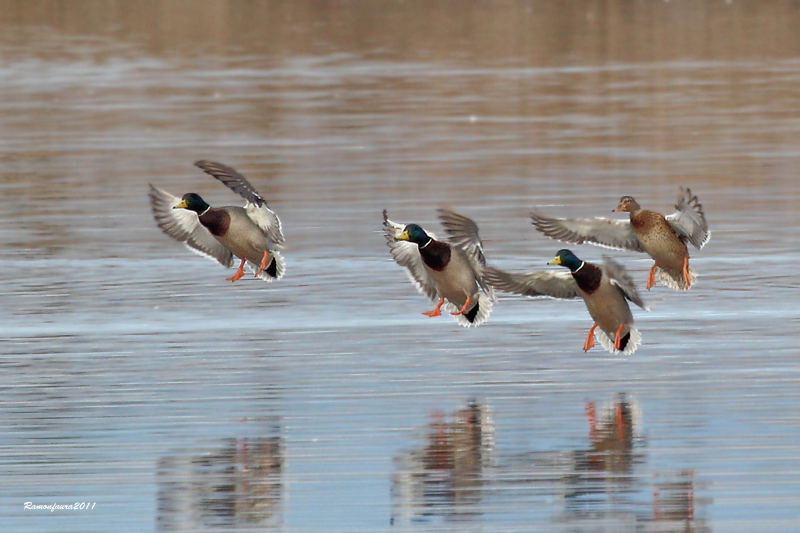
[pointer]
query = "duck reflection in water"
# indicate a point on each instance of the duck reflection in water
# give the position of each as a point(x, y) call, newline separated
point(443, 477)
point(238, 483)
point(605, 469)
point(608, 477)
point(456, 474)
point(674, 501)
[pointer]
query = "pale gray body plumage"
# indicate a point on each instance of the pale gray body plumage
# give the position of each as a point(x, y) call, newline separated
point(253, 228)
point(462, 278)
point(607, 305)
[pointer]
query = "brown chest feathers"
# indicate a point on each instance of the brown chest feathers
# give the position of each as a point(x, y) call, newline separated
point(435, 254)
point(217, 221)
point(643, 220)
point(588, 277)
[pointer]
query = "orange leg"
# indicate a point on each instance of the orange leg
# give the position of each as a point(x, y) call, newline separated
point(589, 339)
point(651, 279)
point(437, 311)
point(464, 307)
point(239, 273)
point(617, 339)
point(263, 262)
point(686, 277)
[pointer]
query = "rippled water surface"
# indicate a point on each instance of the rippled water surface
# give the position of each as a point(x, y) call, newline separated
point(135, 378)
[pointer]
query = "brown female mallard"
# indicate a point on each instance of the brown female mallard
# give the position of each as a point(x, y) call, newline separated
point(605, 289)
point(252, 233)
point(663, 238)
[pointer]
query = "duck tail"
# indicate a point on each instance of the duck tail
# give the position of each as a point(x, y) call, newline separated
point(475, 315)
point(674, 280)
point(274, 270)
point(630, 342)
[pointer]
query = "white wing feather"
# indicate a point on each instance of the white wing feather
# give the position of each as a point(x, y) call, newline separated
point(183, 225)
point(406, 254)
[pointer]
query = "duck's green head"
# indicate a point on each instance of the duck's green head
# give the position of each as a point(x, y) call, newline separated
point(192, 202)
point(567, 259)
point(415, 234)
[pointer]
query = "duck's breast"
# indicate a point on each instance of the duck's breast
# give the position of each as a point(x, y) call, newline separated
point(244, 238)
point(608, 307)
point(659, 240)
point(457, 280)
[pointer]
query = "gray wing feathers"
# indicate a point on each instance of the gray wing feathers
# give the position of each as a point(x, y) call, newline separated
point(406, 254)
point(463, 232)
point(606, 232)
point(536, 284)
point(689, 221)
point(232, 179)
point(266, 219)
point(184, 226)
point(622, 280)
point(256, 207)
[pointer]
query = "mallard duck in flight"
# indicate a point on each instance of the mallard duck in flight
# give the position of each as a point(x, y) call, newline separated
point(663, 238)
point(252, 233)
point(449, 270)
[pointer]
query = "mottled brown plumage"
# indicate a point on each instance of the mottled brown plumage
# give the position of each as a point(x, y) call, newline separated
point(664, 238)
point(660, 241)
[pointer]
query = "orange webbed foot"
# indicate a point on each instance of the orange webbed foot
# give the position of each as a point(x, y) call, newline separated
point(263, 262)
point(464, 307)
point(651, 278)
point(617, 338)
point(686, 278)
point(239, 273)
point(589, 339)
point(437, 310)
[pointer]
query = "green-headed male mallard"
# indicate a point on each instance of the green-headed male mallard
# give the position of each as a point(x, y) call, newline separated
point(662, 238)
point(252, 233)
point(605, 289)
point(441, 270)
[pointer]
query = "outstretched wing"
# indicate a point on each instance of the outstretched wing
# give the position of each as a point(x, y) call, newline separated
point(622, 280)
point(536, 284)
point(406, 254)
point(232, 179)
point(266, 219)
point(256, 208)
point(606, 232)
point(688, 221)
point(184, 226)
point(463, 232)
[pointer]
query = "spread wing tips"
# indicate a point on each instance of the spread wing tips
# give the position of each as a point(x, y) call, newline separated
point(232, 179)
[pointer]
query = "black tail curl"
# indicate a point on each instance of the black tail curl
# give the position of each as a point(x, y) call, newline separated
point(623, 342)
point(472, 313)
point(272, 269)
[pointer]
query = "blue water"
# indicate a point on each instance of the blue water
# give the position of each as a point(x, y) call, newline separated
point(135, 378)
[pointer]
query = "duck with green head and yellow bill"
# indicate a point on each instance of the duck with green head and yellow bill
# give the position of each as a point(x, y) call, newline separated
point(663, 238)
point(606, 290)
point(252, 233)
point(448, 272)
